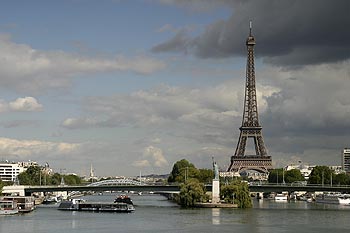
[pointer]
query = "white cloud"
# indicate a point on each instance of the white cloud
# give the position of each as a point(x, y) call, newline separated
point(75, 123)
point(207, 107)
point(25, 104)
point(27, 69)
point(298, 109)
point(156, 154)
point(28, 149)
point(141, 163)
point(152, 156)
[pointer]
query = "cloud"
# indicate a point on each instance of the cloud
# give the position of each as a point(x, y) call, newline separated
point(18, 123)
point(75, 123)
point(141, 163)
point(29, 149)
point(24, 68)
point(212, 107)
point(25, 104)
point(153, 157)
point(311, 99)
point(299, 109)
point(289, 33)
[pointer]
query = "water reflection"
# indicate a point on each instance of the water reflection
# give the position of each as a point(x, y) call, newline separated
point(215, 213)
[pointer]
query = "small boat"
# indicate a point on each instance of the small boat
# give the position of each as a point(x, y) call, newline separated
point(82, 205)
point(8, 207)
point(50, 200)
point(281, 197)
point(123, 199)
point(333, 198)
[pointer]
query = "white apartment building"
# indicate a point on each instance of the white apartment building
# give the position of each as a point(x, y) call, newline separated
point(346, 160)
point(10, 170)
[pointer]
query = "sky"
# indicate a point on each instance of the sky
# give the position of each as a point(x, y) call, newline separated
point(134, 86)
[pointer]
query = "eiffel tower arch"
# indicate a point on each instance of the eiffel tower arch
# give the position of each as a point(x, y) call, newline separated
point(251, 128)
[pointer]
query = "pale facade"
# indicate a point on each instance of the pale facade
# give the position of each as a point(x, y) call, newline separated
point(346, 160)
point(10, 171)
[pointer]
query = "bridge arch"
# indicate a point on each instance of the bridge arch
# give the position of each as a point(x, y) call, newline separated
point(122, 181)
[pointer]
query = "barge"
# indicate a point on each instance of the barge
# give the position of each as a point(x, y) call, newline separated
point(82, 205)
point(8, 207)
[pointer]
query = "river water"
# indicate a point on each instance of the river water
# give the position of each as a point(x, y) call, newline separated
point(156, 214)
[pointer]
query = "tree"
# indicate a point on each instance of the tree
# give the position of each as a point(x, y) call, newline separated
point(341, 179)
point(205, 175)
point(237, 192)
point(183, 170)
point(180, 170)
point(293, 175)
point(72, 179)
point(55, 179)
point(276, 176)
point(192, 192)
point(32, 176)
point(320, 175)
point(1, 185)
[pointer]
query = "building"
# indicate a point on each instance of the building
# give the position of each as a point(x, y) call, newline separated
point(346, 160)
point(10, 170)
point(304, 169)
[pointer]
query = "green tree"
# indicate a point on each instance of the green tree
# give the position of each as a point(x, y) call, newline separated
point(55, 179)
point(320, 175)
point(32, 176)
point(181, 171)
point(192, 192)
point(205, 175)
point(293, 175)
point(72, 180)
point(238, 192)
point(1, 186)
point(341, 179)
point(276, 176)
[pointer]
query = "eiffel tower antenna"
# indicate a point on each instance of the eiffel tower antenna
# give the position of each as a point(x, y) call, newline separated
point(250, 28)
point(251, 128)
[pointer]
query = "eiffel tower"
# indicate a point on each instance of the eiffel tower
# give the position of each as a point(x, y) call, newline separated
point(251, 128)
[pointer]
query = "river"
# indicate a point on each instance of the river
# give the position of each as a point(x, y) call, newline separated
point(156, 214)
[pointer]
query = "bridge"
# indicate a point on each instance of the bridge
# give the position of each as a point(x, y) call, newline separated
point(137, 188)
point(110, 186)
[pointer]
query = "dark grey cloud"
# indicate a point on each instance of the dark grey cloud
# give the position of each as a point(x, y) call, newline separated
point(287, 32)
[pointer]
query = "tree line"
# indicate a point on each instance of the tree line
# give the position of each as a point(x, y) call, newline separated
point(319, 175)
point(34, 175)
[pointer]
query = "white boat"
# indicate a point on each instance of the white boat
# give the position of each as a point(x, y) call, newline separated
point(281, 197)
point(8, 207)
point(333, 198)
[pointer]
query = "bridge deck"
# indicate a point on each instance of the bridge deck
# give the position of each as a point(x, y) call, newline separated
point(176, 188)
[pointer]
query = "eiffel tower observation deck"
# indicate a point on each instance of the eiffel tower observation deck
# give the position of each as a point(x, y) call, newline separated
point(251, 128)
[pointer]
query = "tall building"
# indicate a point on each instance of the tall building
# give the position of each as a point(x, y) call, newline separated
point(10, 171)
point(251, 128)
point(346, 160)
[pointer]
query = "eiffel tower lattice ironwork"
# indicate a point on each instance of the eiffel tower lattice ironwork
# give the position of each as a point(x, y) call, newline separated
point(251, 128)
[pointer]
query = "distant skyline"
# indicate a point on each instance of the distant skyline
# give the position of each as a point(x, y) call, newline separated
point(131, 86)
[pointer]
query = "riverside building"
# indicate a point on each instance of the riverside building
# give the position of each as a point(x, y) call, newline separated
point(10, 170)
point(346, 160)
